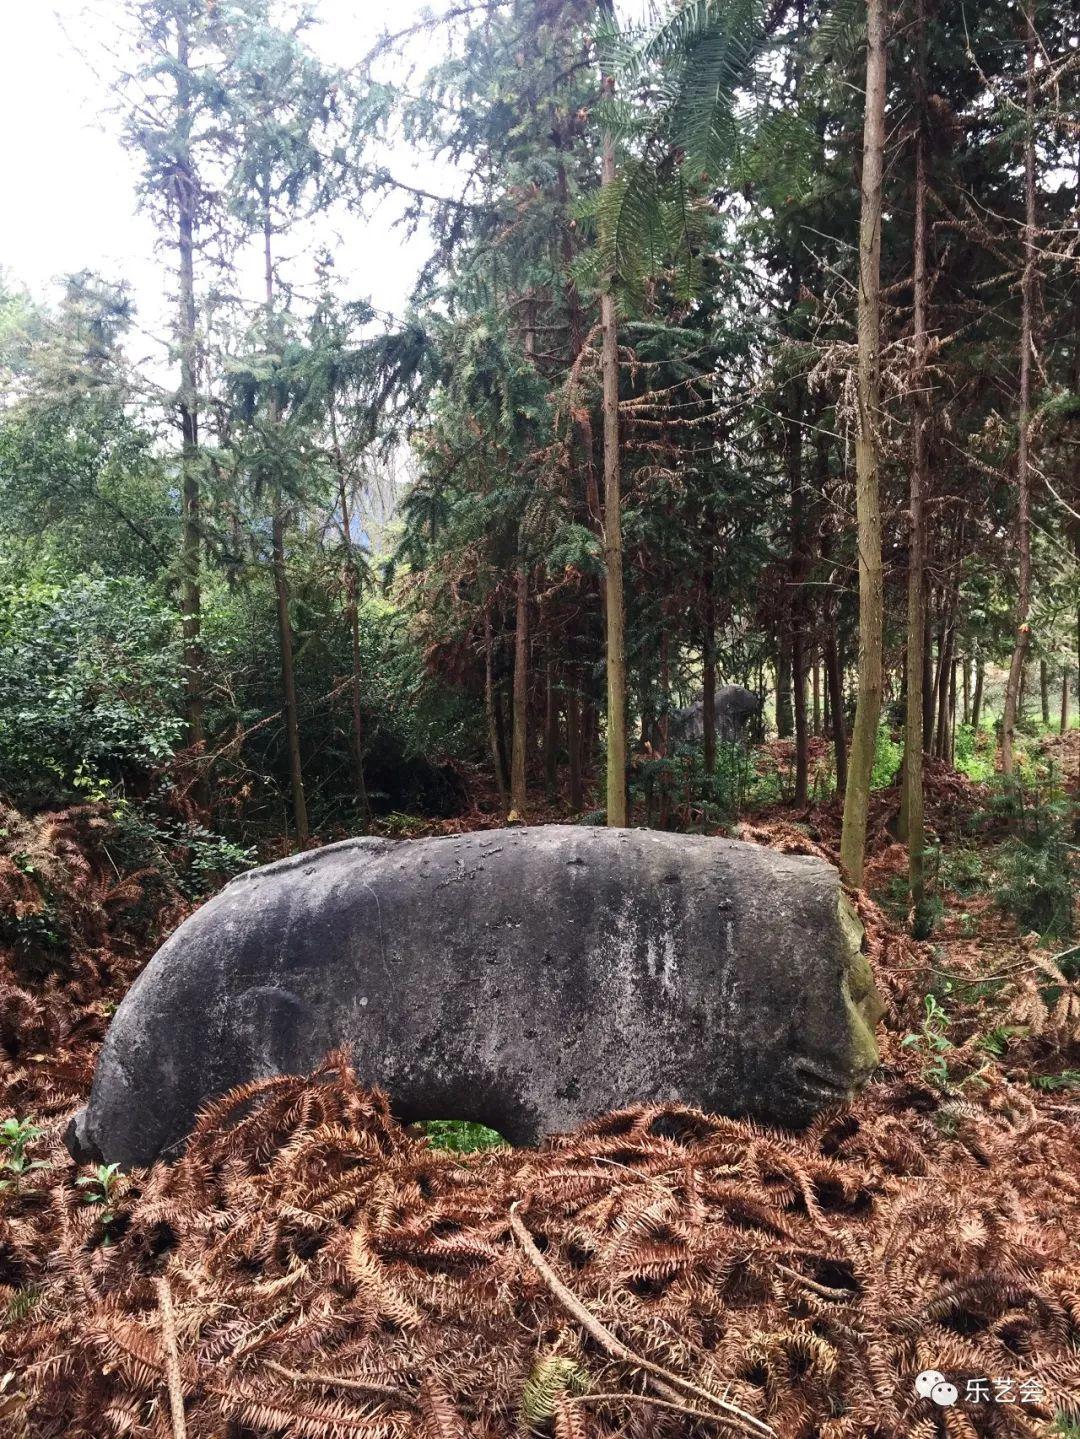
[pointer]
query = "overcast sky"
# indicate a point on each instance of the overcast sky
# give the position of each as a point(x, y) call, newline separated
point(70, 187)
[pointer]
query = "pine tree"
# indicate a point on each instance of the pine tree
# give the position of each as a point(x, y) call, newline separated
point(281, 104)
point(174, 100)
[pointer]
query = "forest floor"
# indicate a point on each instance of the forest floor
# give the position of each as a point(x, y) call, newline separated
point(309, 1269)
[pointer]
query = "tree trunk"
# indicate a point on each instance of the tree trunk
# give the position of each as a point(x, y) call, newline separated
point(190, 496)
point(912, 824)
point(976, 698)
point(709, 673)
point(1044, 692)
point(826, 715)
point(665, 723)
point(784, 719)
point(613, 558)
point(798, 615)
point(868, 705)
point(497, 758)
point(941, 741)
point(288, 681)
point(1023, 472)
point(500, 737)
point(1064, 725)
point(281, 585)
point(573, 740)
point(352, 615)
point(521, 696)
point(950, 748)
point(798, 687)
point(835, 682)
point(815, 676)
point(927, 677)
point(966, 672)
point(931, 746)
point(551, 731)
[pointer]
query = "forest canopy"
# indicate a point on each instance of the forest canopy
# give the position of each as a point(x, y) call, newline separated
point(716, 477)
point(326, 563)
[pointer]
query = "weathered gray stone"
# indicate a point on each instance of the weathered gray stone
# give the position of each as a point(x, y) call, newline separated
point(734, 709)
point(527, 978)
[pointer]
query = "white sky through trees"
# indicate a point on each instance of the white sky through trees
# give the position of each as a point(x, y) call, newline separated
point(70, 198)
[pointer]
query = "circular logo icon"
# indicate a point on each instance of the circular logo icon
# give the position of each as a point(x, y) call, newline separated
point(925, 1382)
point(944, 1393)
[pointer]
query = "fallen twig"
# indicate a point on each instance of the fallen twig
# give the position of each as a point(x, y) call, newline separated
point(823, 1289)
point(662, 1379)
point(616, 1397)
point(173, 1377)
point(340, 1381)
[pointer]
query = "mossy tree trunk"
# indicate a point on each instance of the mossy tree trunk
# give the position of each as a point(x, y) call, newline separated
point(868, 508)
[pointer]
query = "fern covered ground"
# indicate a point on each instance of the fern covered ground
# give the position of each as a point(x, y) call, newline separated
point(310, 1270)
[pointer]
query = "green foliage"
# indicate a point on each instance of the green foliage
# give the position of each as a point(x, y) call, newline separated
point(735, 785)
point(1068, 1079)
point(16, 1136)
point(962, 870)
point(22, 1303)
point(997, 1040)
point(82, 487)
point(90, 686)
point(550, 1377)
point(1037, 884)
point(692, 64)
point(1036, 866)
point(102, 1189)
point(932, 1042)
point(186, 856)
point(461, 1136)
point(975, 753)
point(959, 871)
point(888, 755)
point(592, 817)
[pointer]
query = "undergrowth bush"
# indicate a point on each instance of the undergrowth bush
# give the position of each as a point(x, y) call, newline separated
point(189, 857)
point(888, 754)
point(90, 686)
point(735, 785)
point(974, 753)
point(1036, 865)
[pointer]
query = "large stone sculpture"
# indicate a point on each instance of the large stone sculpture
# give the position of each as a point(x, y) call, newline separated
point(735, 708)
point(527, 978)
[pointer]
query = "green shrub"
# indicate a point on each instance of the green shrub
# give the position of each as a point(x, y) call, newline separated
point(933, 1042)
point(963, 871)
point(1036, 885)
point(1036, 864)
point(974, 753)
point(194, 860)
point(888, 754)
point(16, 1136)
point(735, 784)
point(90, 687)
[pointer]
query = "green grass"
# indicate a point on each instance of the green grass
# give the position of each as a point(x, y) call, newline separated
point(975, 750)
point(461, 1136)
